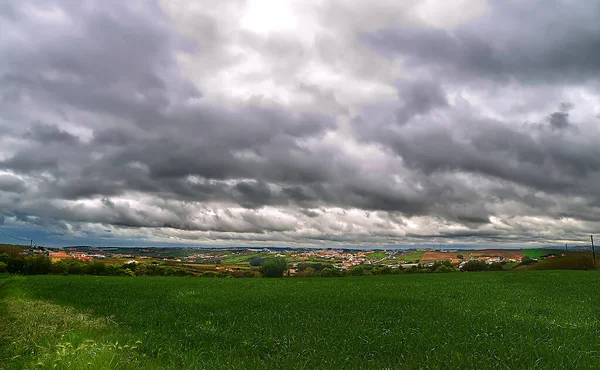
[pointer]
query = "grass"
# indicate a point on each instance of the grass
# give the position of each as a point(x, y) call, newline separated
point(537, 253)
point(411, 256)
point(378, 255)
point(572, 261)
point(241, 259)
point(525, 320)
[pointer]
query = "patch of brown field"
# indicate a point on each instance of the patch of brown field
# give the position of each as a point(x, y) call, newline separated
point(436, 256)
point(507, 253)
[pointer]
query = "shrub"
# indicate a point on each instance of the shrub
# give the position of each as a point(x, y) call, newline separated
point(383, 270)
point(16, 266)
point(398, 270)
point(496, 266)
point(37, 265)
point(76, 268)
point(443, 268)
point(179, 273)
point(59, 268)
point(356, 271)
point(132, 266)
point(274, 267)
point(256, 261)
point(97, 268)
point(307, 272)
point(526, 260)
point(329, 272)
point(472, 266)
point(3, 267)
point(114, 270)
point(316, 266)
point(411, 270)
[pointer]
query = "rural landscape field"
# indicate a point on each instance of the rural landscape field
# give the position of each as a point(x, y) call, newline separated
point(516, 319)
point(292, 184)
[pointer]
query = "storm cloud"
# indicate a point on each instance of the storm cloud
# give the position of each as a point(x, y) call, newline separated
point(302, 123)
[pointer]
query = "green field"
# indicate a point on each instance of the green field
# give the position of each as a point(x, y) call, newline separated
point(515, 320)
point(377, 255)
point(537, 253)
point(241, 259)
point(411, 256)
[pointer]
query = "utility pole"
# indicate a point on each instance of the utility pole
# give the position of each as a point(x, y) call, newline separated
point(593, 250)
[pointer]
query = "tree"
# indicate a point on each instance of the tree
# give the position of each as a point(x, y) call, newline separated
point(307, 272)
point(382, 270)
point(526, 260)
point(356, 271)
point(114, 270)
point(97, 268)
point(37, 265)
point(329, 272)
point(437, 264)
point(131, 265)
point(274, 267)
point(59, 267)
point(475, 266)
point(16, 265)
point(444, 268)
point(256, 261)
point(496, 266)
point(460, 256)
point(3, 267)
point(76, 268)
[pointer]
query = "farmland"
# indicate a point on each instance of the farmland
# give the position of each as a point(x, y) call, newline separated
point(537, 253)
point(530, 319)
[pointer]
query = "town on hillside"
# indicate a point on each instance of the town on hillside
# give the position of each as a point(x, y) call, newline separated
point(201, 260)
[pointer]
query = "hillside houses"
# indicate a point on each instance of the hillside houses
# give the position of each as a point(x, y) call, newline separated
point(80, 256)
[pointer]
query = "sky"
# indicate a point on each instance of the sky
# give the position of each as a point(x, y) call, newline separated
point(300, 122)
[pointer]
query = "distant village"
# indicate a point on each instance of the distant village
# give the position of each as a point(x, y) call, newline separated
point(342, 259)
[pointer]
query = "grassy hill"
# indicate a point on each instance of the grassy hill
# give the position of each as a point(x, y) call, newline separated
point(537, 252)
point(530, 319)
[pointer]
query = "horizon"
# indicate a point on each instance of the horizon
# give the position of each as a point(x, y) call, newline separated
point(303, 123)
point(308, 247)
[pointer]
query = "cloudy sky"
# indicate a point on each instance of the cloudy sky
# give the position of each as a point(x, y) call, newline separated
point(300, 122)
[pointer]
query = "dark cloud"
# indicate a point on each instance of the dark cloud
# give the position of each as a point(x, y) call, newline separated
point(11, 184)
point(418, 98)
point(532, 41)
point(103, 130)
point(49, 134)
point(559, 120)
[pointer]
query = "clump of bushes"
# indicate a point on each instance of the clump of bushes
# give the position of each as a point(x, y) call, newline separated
point(473, 266)
point(274, 267)
point(41, 265)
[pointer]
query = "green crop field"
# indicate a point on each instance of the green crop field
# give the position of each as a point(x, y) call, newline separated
point(377, 255)
point(241, 259)
point(537, 253)
point(493, 320)
point(411, 256)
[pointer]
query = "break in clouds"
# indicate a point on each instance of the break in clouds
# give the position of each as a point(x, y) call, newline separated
point(301, 122)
